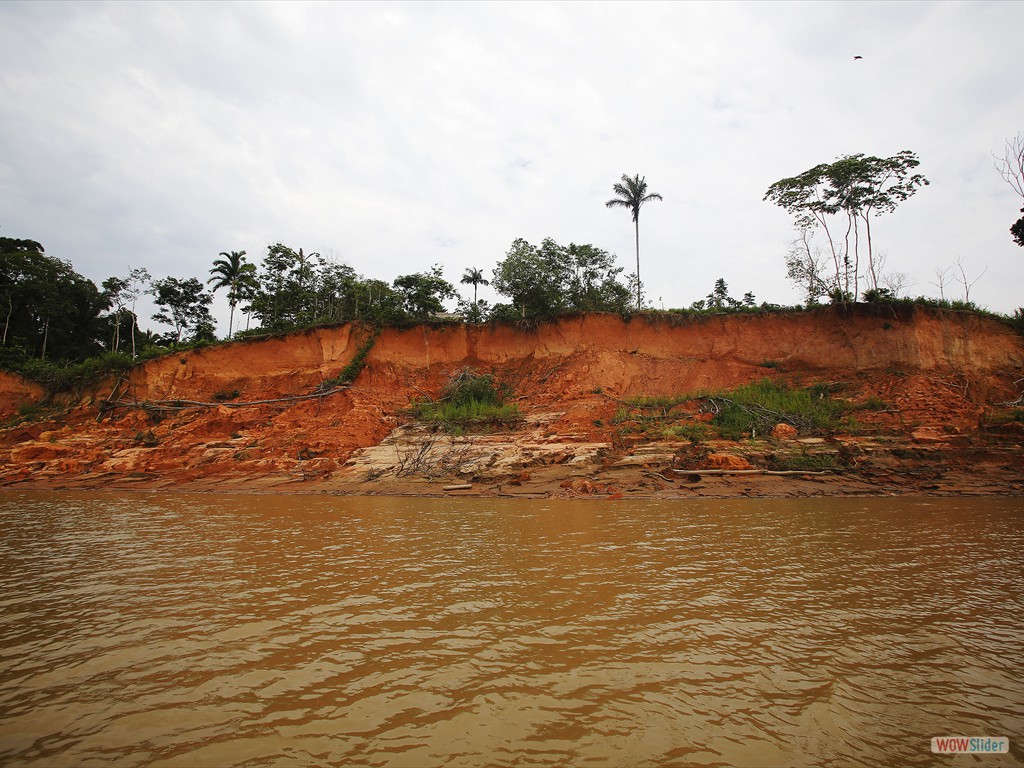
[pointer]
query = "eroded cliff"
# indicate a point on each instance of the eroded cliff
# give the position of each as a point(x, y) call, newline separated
point(939, 374)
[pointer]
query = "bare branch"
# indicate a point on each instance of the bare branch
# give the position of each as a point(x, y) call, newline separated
point(963, 278)
point(942, 276)
point(1011, 165)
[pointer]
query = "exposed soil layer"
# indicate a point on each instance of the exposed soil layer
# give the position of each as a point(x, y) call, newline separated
point(932, 392)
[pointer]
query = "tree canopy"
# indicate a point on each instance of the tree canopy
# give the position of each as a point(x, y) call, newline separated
point(185, 306)
point(553, 279)
point(850, 191)
point(49, 310)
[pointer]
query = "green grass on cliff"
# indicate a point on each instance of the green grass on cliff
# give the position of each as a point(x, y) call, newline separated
point(752, 409)
point(469, 402)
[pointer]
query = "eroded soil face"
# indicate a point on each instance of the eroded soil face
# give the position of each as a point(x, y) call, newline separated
point(927, 390)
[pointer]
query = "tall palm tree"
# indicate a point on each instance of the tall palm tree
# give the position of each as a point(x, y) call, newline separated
point(475, 277)
point(632, 193)
point(227, 273)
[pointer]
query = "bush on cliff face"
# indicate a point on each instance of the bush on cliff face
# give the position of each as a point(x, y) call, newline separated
point(745, 411)
point(469, 401)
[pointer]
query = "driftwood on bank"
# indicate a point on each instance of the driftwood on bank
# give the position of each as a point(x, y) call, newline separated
point(754, 472)
point(181, 405)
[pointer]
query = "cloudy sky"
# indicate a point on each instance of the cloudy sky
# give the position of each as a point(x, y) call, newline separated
point(392, 136)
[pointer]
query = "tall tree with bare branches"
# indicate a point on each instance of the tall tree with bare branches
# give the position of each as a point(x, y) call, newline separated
point(1011, 168)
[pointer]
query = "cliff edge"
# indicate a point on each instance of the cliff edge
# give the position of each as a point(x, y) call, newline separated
point(934, 395)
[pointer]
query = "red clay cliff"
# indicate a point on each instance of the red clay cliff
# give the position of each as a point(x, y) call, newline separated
point(937, 399)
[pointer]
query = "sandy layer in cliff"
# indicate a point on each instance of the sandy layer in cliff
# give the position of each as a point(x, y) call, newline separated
point(940, 374)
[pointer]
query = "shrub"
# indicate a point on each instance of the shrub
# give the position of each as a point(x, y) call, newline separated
point(56, 377)
point(763, 404)
point(812, 462)
point(469, 401)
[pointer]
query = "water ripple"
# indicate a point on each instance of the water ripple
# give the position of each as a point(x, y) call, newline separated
point(150, 630)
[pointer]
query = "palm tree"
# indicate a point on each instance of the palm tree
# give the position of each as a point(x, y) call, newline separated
point(475, 277)
point(227, 273)
point(632, 193)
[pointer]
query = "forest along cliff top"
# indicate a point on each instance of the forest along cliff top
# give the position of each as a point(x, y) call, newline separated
point(918, 400)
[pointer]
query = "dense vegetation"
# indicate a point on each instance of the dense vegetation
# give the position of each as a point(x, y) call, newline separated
point(60, 328)
point(746, 411)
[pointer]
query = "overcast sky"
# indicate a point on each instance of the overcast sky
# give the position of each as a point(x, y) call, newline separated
point(392, 136)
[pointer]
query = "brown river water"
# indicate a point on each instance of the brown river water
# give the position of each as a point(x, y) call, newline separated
point(206, 630)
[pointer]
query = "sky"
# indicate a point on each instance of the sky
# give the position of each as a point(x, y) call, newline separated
point(393, 136)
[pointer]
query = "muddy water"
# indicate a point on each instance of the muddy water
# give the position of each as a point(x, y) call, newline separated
point(196, 630)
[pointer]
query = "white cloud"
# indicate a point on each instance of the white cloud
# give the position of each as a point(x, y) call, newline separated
point(399, 135)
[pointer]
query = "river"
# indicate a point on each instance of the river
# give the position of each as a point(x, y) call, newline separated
point(206, 630)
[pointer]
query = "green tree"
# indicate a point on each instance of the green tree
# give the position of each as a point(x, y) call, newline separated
point(422, 293)
point(16, 258)
point(853, 189)
point(533, 278)
point(719, 297)
point(593, 284)
point(473, 276)
point(632, 194)
point(49, 309)
point(288, 295)
point(553, 279)
point(231, 272)
point(184, 305)
point(114, 293)
point(381, 302)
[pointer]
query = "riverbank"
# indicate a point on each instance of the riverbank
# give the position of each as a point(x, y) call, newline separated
point(930, 401)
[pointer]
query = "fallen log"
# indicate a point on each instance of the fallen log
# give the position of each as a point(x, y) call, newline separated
point(181, 405)
point(754, 472)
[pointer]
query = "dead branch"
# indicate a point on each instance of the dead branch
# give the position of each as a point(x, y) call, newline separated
point(754, 472)
point(181, 405)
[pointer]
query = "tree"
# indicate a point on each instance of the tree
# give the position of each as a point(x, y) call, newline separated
point(49, 309)
point(289, 293)
point(474, 277)
point(185, 306)
point(719, 297)
point(230, 272)
point(632, 194)
point(422, 293)
point(137, 278)
point(593, 284)
point(855, 188)
point(553, 279)
point(1011, 168)
point(15, 266)
point(804, 266)
point(1011, 164)
point(113, 292)
point(965, 281)
point(531, 278)
point(1017, 230)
